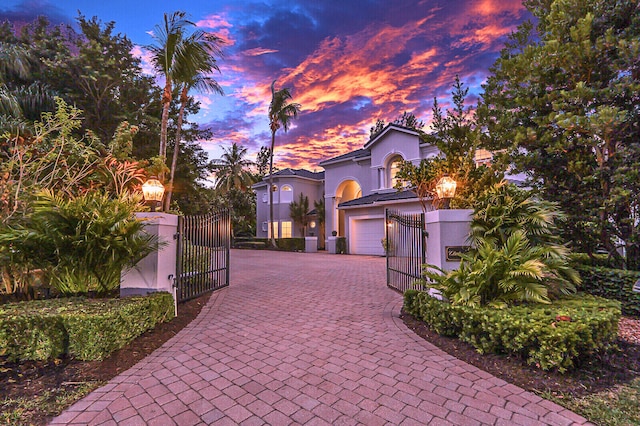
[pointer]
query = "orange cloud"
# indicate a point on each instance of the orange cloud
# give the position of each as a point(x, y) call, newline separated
point(220, 26)
point(258, 51)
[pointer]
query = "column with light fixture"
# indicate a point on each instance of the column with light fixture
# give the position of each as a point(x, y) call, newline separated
point(157, 271)
point(448, 229)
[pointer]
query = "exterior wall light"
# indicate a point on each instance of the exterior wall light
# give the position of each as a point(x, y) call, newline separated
point(312, 224)
point(446, 189)
point(153, 191)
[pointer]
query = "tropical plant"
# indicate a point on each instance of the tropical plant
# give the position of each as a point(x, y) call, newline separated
point(281, 112)
point(456, 136)
point(186, 82)
point(516, 256)
point(299, 210)
point(232, 170)
point(84, 242)
point(184, 59)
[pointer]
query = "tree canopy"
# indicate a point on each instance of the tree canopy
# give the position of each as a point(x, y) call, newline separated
point(562, 104)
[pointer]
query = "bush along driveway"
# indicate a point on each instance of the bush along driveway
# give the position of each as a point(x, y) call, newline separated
point(301, 337)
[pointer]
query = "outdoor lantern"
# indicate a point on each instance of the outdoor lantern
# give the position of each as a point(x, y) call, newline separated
point(153, 191)
point(312, 224)
point(446, 189)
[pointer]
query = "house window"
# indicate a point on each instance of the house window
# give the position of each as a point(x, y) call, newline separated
point(274, 189)
point(286, 229)
point(483, 157)
point(265, 226)
point(394, 168)
point(265, 197)
point(286, 194)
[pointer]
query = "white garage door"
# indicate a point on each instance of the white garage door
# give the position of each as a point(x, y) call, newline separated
point(366, 235)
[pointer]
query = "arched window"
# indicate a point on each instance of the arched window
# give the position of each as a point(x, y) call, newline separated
point(286, 194)
point(393, 169)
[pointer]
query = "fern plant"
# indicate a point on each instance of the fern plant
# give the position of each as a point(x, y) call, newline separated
point(83, 242)
point(517, 256)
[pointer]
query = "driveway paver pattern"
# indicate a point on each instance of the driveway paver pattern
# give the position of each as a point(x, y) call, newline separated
point(313, 339)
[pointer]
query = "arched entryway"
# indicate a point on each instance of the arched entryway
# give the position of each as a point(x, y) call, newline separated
point(348, 190)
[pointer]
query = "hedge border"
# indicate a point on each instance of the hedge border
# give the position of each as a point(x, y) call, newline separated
point(87, 329)
point(551, 337)
point(616, 284)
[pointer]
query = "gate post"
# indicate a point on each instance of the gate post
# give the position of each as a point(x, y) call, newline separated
point(448, 232)
point(157, 271)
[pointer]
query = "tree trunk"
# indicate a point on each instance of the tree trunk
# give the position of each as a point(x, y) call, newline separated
point(270, 189)
point(176, 150)
point(166, 102)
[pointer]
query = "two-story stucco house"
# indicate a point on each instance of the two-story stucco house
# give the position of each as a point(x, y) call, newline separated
point(288, 184)
point(357, 188)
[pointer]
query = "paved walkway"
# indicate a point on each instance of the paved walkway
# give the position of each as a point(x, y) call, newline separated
point(308, 339)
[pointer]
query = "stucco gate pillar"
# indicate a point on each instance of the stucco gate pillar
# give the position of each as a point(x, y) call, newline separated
point(448, 231)
point(157, 271)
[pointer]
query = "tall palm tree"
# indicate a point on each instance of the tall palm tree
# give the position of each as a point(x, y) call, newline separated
point(178, 53)
point(281, 112)
point(233, 169)
point(188, 81)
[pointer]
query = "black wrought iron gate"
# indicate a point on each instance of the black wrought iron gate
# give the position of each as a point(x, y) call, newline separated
point(203, 254)
point(405, 246)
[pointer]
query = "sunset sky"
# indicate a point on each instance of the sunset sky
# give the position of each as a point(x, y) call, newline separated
point(347, 62)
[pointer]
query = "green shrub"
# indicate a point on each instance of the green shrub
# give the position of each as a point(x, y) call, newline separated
point(88, 329)
point(290, 244)
point(341, 245)
point(614, 284)
point(552, 337)
point(515, 257)
point(36, 337)
point(583, 259)
point(83, 242)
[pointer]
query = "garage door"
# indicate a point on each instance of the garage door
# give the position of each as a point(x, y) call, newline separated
point(366, 235)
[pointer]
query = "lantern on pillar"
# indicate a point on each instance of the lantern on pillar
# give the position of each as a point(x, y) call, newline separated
point(446, 189)
point(153, 191)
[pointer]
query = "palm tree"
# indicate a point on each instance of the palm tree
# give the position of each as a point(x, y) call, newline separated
point(298, 210)
point(200, 82)
point(178, 54)
point(232, 170)
point(280, 114)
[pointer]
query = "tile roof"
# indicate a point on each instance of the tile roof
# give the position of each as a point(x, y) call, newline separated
point(376, 198)
point(358, 153)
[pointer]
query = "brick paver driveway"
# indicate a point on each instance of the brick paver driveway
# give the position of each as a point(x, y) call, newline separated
point(307, 339)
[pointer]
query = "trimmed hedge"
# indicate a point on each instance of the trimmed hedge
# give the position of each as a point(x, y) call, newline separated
point(614, 284)
point(284, 244)
point(552, 337)
point(87, 329)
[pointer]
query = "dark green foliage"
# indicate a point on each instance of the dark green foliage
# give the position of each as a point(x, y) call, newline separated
point(341, 245)
point(83, 243)
point(614, 284)
point(34, 336)
point(551, 337)
point(516, 255)
point(583, 259)
point(561, 104)
point(88, 329)
point(290, 244)
point(284, 244)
